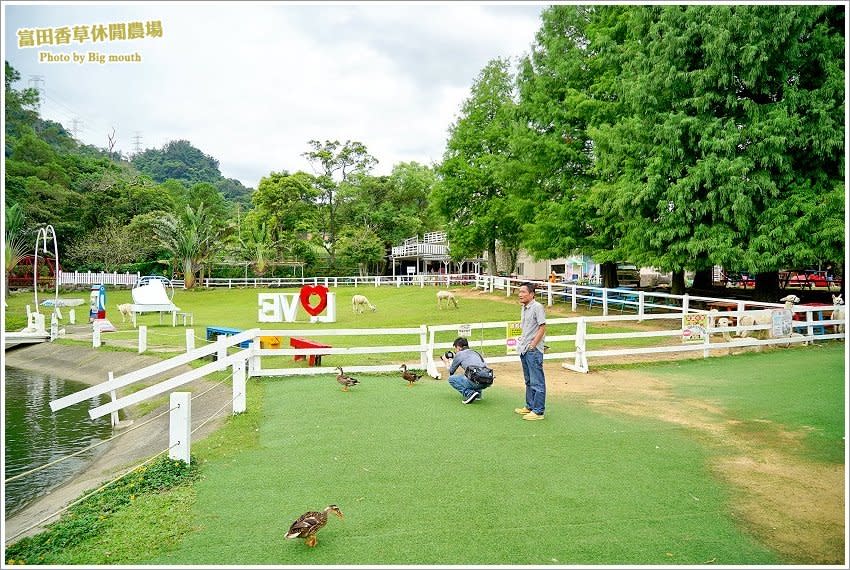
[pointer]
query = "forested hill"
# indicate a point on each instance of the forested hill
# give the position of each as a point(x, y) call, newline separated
point(179, 160)
point(82, 190)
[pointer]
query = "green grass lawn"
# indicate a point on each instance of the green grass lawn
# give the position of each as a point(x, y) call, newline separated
point(423, 479)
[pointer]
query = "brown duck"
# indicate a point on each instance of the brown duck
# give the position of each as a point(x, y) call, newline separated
point(308, 524)
point(409, 376)
point(346, 380)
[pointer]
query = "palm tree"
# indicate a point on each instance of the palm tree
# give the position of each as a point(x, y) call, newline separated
point(258, 246)
point(191, 240)
point(14, 244)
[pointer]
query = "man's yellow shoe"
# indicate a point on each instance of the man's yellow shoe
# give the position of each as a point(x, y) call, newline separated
point(532, 416)
point(522, 411)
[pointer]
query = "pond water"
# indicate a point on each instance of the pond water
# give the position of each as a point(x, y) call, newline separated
point(35, 436)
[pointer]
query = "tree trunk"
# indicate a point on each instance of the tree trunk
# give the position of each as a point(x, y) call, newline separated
point(677, 282)
point(767, 286)
point(703, 279)
point(609, 274)
point(188, 274)
point(491, 253)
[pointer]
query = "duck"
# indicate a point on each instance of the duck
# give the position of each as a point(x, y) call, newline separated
point(409, 376)
point(345, 380)
point(307, 525)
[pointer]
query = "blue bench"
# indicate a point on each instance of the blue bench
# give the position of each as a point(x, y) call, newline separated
point(213, 332)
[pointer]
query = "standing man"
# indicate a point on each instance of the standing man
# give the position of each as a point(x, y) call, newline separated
point(463, 357)
point(530, 346)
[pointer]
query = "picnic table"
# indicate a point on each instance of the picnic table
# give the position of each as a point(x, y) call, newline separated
point(299, 342)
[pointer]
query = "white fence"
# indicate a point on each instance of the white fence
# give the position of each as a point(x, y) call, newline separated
point(443, 280)
point(99, 278)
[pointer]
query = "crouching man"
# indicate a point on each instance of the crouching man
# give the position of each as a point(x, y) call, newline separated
point(464, 358)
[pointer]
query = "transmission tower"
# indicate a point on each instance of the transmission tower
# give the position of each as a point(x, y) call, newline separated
point(75, 126)
point(37, 82)
point(137, 142)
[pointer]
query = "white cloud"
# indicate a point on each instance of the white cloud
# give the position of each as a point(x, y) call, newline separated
point(250, 84)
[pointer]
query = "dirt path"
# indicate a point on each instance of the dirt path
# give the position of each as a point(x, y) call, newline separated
point(794, 506)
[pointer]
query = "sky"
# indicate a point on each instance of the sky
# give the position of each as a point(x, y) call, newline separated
point(251, 83)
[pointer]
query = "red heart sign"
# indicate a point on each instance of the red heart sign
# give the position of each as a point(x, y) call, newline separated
point(308, 291)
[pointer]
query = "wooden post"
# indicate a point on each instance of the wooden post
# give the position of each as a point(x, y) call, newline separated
point(423, 346)
point(239, 396)
point(143, 338)
point(190, 340)
point(72, 316)
point(95, 337)
point(114, 415)
point(641, 306)
point(573, 287)
point(222, 350)
point(180, 426)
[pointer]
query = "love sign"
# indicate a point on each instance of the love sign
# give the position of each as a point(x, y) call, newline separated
point(308, 291)
point(283, 307)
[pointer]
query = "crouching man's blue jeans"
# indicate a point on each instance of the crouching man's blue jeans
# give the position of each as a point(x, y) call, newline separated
point(465, 386)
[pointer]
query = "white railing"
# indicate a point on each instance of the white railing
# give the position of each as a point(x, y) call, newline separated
point(421, 249)
point(421, 280)
point(97, 278)
point(621, 299)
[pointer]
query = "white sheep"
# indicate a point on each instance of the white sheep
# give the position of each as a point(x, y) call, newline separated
point(838, 313)
point(445, 297)
point(359, 304)
point(126, 310)
point(723, 322)
point(764, 316)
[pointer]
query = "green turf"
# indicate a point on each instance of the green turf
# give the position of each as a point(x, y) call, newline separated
point(798, 389)
point(423, 479)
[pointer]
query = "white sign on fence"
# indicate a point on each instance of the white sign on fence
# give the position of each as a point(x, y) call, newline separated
point(464, 330)
point(780, 320)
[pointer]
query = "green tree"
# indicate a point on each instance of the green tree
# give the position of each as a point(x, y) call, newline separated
point(286, 204)
point(472, 196)
point(336, 163)
point(730, 147)
point(566, 85)
point(191, 239)
point(361, 248)
point(178, 160)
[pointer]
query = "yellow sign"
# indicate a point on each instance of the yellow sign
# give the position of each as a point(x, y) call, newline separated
point(694, 327)
point(512, 333)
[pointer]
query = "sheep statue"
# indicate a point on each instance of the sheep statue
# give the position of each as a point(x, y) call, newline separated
point(446, 297)
point(359, 303)
point(838, 313)
point(763, 316)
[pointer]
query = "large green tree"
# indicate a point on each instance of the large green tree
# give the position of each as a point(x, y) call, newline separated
point(566, 85)
point(336, 163)
point(472, 195)
point(729, 149)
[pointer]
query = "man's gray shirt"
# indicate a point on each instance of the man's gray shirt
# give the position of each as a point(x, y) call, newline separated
point(465, 358)
point(532, 317)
